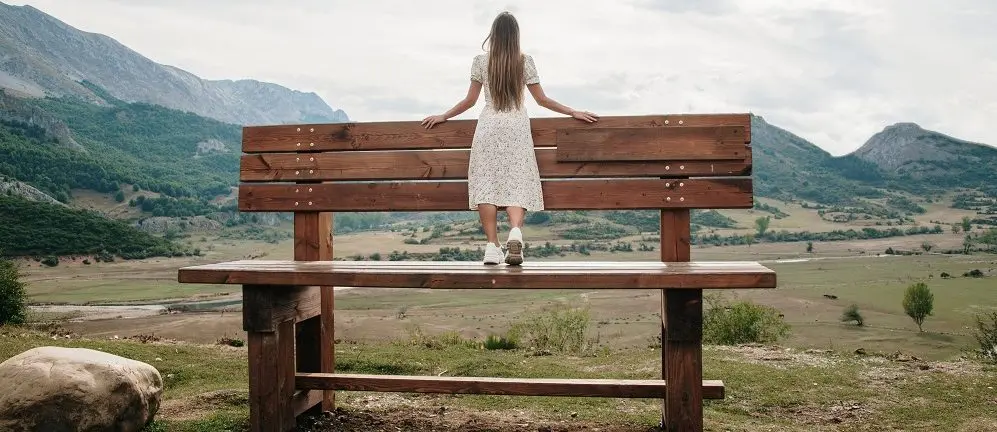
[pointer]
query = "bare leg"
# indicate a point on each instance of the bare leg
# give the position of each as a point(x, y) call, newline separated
point(488, 214)
point(516, 215)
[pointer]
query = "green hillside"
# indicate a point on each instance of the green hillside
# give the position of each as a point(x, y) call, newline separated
point(29, 228)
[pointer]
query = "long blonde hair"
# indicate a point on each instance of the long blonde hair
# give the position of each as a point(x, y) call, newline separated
point(505, 63)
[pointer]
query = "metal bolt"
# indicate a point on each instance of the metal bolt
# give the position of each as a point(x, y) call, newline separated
point(295, 203)
point(299, 129)
point(669, 199)
point(299, 145)
point(309, 189)
point(667, 167)
point(297, 173)
point(668, 185)
point(297, 159)
point(681, 121)
point(311, 145)
point(311, 171)
point(311, 159)
point(297, 190)
point(309, 203)
point(682, 199)
point(681, 184)
point(666, 121)
point(311, 130)
point(681, 167)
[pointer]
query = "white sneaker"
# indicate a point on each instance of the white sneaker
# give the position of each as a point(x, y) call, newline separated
point(514, 247)
point(493, 254)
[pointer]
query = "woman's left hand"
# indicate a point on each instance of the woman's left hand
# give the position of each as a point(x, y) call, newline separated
point(433, 120)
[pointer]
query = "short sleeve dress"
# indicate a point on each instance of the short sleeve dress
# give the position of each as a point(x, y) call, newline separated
point(503, 168)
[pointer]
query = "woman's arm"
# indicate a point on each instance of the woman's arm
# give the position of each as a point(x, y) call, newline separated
point(465, 104)
point(545, 101)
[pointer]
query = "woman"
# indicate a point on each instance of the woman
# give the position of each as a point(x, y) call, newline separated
point(502, 171)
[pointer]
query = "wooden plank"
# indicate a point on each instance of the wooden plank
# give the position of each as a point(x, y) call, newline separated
point(499, 386)
point(304, 401)
point(451, 134)
point(315, 338)
point(453, 196)
point(452, 164)
point(473, 275)
point(675, 247)
point(684, 360)
point(265, 307)
point(271, 379)
point(651, 144)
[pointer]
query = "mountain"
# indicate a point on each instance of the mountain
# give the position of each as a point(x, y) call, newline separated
point(914, 154)
point(42, 56)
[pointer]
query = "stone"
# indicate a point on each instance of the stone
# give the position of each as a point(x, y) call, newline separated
point(55, 389)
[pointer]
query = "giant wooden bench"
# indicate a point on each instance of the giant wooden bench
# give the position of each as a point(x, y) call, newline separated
point(671, 163)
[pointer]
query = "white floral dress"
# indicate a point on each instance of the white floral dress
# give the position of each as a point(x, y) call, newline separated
point(503, 167)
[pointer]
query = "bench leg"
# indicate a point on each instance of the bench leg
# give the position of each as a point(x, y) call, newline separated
point(682, 359)
point(271, 379)
point(316, 351)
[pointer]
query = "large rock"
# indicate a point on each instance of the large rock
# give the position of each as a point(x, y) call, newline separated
point(55, 389)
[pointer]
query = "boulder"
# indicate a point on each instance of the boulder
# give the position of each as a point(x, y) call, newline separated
point(54, 389)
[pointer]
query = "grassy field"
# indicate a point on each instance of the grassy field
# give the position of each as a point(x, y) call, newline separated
point(768, 388)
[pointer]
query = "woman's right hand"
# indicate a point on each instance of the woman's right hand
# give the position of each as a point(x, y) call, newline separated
point(585, 116)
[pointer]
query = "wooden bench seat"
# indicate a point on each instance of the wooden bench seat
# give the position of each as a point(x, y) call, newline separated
point(474, 275)
point(669, 163)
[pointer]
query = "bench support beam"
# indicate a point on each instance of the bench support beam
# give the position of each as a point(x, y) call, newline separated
point(316, 336)
point(271, 379)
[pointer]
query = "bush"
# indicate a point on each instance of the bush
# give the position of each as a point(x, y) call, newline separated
point(558, 329)
point(495, 342)
point(851, 313)
point(12, 295)
point(918, 303)
point(50, 261)
point(973, 273)
point(119, 197)
point(742, 322)
point(986, 336)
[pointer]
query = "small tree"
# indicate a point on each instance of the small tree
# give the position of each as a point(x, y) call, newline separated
point(12, 308)
point(986, 335)
point(810, 247)
point(851, 313)
point(918, 303)
point(967, 244)
point(119, 197)
point(956, 229)
point(927, 246)
point(967, 224)
point(762, 225)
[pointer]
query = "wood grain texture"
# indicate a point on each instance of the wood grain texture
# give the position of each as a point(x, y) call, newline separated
point(452, 164)
point(449, 135)
point(474, 275)
point(498, 386)
point(675, 247)
point(271, 379)
point(453, 196)
point(265, 307)
point(684, 360)
point(315, 338)
point(652, 144)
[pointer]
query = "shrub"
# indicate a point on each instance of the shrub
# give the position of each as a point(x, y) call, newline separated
point(973, 273)
point(851, 313)
point(50, 261)
point(12, 295)
point(918, 303)
point(557, 329)
point(742, 322)
point(495, 342)
point(986, 336)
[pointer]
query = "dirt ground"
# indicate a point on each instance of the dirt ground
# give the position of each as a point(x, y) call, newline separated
point(443, 420)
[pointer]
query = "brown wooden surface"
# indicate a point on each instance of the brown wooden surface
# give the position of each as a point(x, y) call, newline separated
point(474, 275)
point(306, 401)
point(271, 379)
point(498, 386)
point(452, 164)
point(453, 196)
point(684, 359)
point(451, 134)
point(265, 307)
point(652, 144)
point(315, 337)
point(675, 247)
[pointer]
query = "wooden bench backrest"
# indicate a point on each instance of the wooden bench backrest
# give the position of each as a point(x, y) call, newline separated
point(625, 162)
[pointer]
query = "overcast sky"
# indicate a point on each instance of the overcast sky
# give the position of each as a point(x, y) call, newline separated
point(834, 71)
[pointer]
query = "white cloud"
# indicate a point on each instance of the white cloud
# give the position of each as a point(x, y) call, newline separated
point(832, 71)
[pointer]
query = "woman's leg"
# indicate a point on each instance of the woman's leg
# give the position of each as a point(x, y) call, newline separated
point(516, 215)
point(488, 214)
